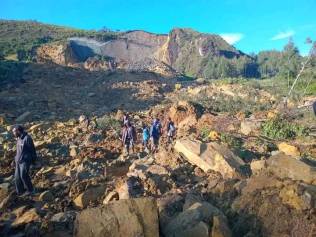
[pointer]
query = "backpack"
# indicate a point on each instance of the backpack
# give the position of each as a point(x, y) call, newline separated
point(131, 133)
point(155, 130)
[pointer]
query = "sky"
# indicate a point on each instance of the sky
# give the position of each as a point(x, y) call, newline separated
point(250, 25)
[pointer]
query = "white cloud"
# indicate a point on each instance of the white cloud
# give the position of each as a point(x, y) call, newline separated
point(283, 35)
point(232, 38)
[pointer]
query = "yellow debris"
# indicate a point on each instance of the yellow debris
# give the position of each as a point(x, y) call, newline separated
point(213, 135)
point(177, 86)
point(289, 149)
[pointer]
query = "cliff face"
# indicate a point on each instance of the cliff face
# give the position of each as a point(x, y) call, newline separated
point(61, 54)
point(130, 47)
point(187, 50)
point(183, 50)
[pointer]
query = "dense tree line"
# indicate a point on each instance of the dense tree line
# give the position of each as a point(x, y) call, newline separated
point(265, 64)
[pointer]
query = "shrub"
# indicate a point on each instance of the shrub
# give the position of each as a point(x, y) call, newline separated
point(230, 140)
point(204, 134)
point(106, 122)
point(282, 129)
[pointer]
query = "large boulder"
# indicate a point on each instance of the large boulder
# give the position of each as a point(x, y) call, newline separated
point(184, 114)
point(133, 217)
point(90, 195)
point(155, 178)
point(211, 156)
point(285, 166)
point(193, 221)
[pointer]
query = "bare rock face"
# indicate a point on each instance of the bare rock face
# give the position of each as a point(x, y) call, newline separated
point(211, 156)
point(182, 50)
point(61, 54)
point(133, 217)
point(187, 48)
point(285, 166)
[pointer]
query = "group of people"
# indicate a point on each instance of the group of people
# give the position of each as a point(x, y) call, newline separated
point(150, 135)
point(26, 152)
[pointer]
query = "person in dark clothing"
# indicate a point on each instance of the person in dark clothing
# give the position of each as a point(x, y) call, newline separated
point(314, 107)
point(155, 133)
point(129, 137)
point(25, 156)
point(125, 119)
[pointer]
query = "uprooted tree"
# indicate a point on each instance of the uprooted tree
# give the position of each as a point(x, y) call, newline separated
point(311, 54)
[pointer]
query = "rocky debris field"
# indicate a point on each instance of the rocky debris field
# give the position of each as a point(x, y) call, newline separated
point(52, 92)
point(222, 176)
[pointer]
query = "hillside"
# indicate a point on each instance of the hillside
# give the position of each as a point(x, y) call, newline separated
point(241, 162)
point(18, 36)
point(235, 161)
point(184, 50)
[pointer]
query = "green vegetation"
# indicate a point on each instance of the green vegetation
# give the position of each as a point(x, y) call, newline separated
point(220, 59)
point(107, 122)
point(281, 129)
point(231, 141)
point(279, 86)
point(233, 105)
point(204, 134)
point(21, 37)
point(10, 71)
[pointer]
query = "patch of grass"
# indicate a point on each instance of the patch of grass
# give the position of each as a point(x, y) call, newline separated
point(231, 141)
point(231, 81)
point(106, 122)
point(204, 134)
point(222, 103)
point(282, 129)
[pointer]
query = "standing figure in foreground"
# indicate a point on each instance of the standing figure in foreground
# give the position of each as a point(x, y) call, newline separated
point(25, 156)
point(155, 133)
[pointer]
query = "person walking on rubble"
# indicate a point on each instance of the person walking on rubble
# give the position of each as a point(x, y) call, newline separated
point(171, 130)
point(155, 133)
point(125, 119)
point(129, 137)
point(25, 156)
point(146, 136)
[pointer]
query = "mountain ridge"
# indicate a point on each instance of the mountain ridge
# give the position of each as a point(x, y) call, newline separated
point(186, 50)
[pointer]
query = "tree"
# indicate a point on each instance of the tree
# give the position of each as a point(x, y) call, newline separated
point(308, 59)
point(290, 61)
point(269, 63)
